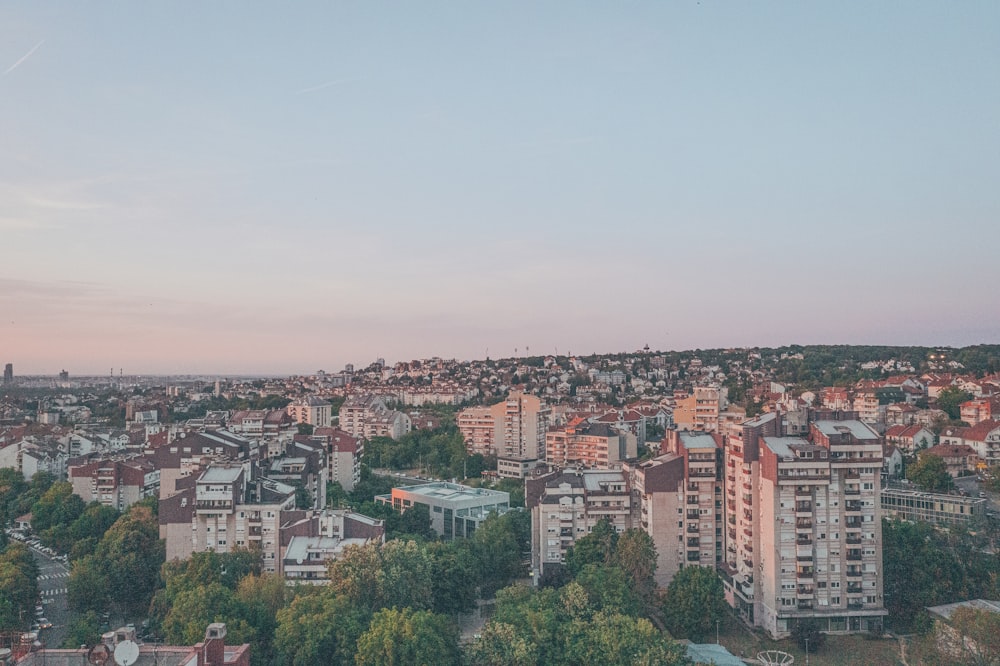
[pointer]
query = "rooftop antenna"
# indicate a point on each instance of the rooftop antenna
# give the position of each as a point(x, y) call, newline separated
point(126, 653)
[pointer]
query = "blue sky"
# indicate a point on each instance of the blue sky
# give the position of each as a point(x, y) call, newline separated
point(248, 187)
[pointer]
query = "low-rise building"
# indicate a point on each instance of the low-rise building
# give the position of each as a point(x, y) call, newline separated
point(312, 410)
point(934, 508)
point(455, 510)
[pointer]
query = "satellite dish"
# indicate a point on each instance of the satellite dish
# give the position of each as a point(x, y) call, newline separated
point(126, 653)
point(99, 654)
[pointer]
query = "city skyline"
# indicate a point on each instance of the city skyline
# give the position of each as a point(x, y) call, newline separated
point(226, 189)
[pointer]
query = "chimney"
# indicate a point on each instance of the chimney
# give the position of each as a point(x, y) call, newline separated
point(213, 653)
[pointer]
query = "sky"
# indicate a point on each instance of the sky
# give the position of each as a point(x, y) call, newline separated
point(252, 187)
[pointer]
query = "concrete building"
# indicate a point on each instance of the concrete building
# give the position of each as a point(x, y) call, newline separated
point(568, 507)
point(312, 410)
point(455, 510)
point(658, 492)
point(590, 445)
point(117, 482)
point(478, 428)
point(344, 454)
point(700, 410)
point(522, 421)
point(820, 530)
point(516, 468)
point(223, 509)
point(703, 514)
point(8, 373)
point(934, 508)
point(367, 416)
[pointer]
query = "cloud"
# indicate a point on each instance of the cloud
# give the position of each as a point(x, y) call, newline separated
point(22, 58)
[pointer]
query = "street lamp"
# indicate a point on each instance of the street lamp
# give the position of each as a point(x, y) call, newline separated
point(716, 632)
point(807, 652)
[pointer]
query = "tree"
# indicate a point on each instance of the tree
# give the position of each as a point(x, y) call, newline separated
point(980, 630)
point(454, 572)
point(500, 645)
point(406, 637)
point(930, 473)
point(318, 627)
point(618, 640)
point(950, 400)
point(611, 588)
point(497, 545)
point(598, 547)
point(379, 576)
point(18, 587)
point(635, 554)
point(694, 602)
point(807, 635)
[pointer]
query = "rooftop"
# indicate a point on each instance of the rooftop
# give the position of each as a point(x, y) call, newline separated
point(697, 440)
point(857, 429)
point(453, 491)
point(217, 474)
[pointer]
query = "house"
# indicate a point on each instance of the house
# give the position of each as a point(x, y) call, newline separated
point(892, 462)
point(910, 438)
point(958, 458)
point(984, 437)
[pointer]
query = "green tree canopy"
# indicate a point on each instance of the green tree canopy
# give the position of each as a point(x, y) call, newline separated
point(408, 638)
point(598, 547)
point(694, 602)
point(950, 400)
point(930, 473)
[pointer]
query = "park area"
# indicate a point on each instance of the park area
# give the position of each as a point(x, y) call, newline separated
point(853, 650)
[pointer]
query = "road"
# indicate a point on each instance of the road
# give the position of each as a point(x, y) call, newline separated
point(401, 478)
point(53, 579)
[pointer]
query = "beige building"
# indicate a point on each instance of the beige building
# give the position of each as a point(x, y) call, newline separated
point(223, 511)
point(569, 506)
point(478, 428)
point(658, 494)
point(820, 551)
point(514, 428)
point(703, 512)
point(368, 416)
point(590, 445)
point(700, 410)
point(312, 410)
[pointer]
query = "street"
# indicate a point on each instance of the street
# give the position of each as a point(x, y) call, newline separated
point(53, 579)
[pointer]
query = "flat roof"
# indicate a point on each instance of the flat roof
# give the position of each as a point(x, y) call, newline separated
point(593, 480)
point(782, 446)
point(453, 491)
point(698, 440)
point(858, 429)
point(945, 610)
point(216, 474)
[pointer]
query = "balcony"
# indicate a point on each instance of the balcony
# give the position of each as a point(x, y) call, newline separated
point(693, 514)
point(693, 542)
point(803, 507)
point(854, 555)
point(803, 492)
point(804, 605)
point(805, 574)
point(853, 540)
point(804, 558)
point(803, 541)
point(852, 507)
point(803, 523)
point(855, 605)
point(852, 491)
point(853, 573)
point(854, 588)
point(692, 500)
point(693, 528)
point(805, 590)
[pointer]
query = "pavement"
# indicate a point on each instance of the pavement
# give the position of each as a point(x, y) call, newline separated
point(53, 580)
point(53, 584)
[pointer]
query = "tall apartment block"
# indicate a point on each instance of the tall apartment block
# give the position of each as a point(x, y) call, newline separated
point(8, 373)
point(804, 538)
point(703, 512)
point(514, 428)
point(658, 495)
point(700, 410)
point(566, 506)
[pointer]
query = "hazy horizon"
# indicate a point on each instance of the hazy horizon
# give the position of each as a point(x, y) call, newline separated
point(219, 188)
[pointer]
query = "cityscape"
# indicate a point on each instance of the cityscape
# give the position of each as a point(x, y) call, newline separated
point(711, 506)
point(512, 334)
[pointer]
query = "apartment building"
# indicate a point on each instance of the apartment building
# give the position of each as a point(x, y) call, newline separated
point(568, 506)
point(478, 428)
point(700, 410)
point(118, 482)
point(367, 416)
point(979, 410)
point(984, 438)
point(590, 445)
point(866, 404)
point(522, 420)
point(224, 509)
point(514, 428)
point(343, 454)
point(703, 513)
point(658, 494)
point(312, 410)
point(820, 531)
